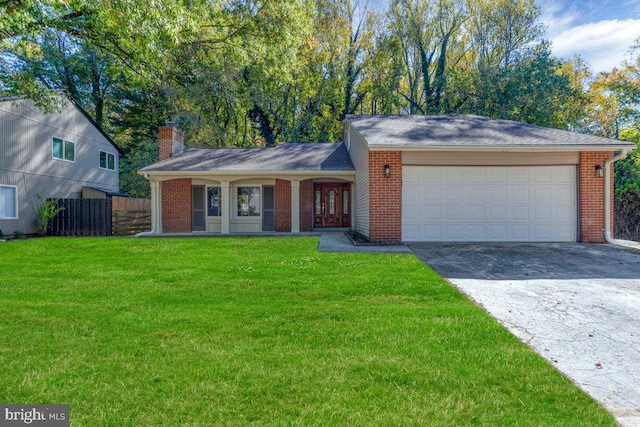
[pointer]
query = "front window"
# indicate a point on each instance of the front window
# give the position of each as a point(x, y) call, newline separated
point(64, 150)
point(107, 161)
point(214, 203)
point(248, 201)
point(8, 202)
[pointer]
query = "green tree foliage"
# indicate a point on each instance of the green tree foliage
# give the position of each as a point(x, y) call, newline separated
point(243, 73)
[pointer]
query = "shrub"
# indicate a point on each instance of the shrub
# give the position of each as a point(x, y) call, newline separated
point(47, 210)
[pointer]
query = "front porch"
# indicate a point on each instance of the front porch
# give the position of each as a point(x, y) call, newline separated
point(289, 188)
point(250, 206)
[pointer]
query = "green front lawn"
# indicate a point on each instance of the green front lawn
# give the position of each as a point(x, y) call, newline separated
point(266, 331)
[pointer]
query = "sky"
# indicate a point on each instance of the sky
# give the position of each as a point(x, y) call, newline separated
point(600, 31)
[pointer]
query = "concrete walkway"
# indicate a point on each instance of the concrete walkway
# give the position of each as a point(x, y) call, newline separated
point(577, 305)
point(337, 241)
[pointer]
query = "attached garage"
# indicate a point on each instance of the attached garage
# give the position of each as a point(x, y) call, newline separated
point(489, 203)
point(467, 178)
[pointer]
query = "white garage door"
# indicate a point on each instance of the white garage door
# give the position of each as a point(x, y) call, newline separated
point(489, 203)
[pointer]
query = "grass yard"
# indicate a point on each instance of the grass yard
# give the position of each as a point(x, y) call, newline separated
point(264, 331)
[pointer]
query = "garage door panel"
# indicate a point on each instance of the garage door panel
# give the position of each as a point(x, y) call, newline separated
point(519, 213)
point(432, 194)
point(519, 175)
point(473, 175)
point(542, 232)
point(541, 214)
point(496, 176)
point(476, 213)
point(562, 193)
point(432, 213)
point(497, 233)
point(432, 233)
point(411, 213)
point(497, 213)
point(497, 194)
point(474, 233)
point(452, 193)
point(519, 194)
point(453, 213)
point(563, 214)
point(451, 176)
point(474, 194)
point(454, 232)
point(412, 177)
point(520, 232)
point(543, 176)
point(492, 203)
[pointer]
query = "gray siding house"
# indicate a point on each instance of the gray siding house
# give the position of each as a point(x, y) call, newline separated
point(56, 155)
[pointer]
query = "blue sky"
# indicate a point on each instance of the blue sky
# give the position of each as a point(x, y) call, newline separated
point(599, 31)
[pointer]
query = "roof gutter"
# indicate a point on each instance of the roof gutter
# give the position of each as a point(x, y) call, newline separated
point(243, 173)
point(502, 148)
point(607, 204)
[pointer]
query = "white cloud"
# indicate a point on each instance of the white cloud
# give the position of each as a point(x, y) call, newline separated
point(602, 44)
point(556, 17)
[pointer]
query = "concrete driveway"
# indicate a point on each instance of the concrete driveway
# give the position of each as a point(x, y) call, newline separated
point(577, 305)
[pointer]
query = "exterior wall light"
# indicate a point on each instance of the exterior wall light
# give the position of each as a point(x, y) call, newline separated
point(599, 171)
point(387, 171)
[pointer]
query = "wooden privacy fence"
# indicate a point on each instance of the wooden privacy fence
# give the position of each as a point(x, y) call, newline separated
point(117, 216)
point(130, 215)
point(82, 217)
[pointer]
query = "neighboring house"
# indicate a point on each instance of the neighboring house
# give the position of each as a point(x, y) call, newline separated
point(396, 178)
point(53, 155)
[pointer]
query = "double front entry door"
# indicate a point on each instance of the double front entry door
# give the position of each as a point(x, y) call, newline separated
point(331, 204)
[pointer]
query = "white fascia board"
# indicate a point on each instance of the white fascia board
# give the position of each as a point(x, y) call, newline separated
point(237, 175)
point(519, 148)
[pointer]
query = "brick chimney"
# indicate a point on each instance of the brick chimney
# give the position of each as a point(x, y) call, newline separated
point(171, 141)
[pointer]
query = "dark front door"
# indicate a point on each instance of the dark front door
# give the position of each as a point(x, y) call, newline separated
point(197, 208)
point(331, 204)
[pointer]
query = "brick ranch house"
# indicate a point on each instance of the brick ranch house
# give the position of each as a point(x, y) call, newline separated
point(459, 178)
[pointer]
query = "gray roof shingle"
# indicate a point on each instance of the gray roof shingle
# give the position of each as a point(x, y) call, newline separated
point(283, 157)
point(469, 131)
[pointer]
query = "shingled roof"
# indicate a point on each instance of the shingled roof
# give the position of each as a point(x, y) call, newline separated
point(283, 157)
point(469, 132)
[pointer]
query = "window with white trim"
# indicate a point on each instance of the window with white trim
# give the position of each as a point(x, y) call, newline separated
point(107, 161)
point(8, 202)
point(248, 201)
point(63, 150)
point(214, 201)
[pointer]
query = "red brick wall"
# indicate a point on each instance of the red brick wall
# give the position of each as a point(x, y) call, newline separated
point(385, 197)
point(591, 193)
point(283, 205)
point(167, 136)
point(176, 206)
point(306, 205)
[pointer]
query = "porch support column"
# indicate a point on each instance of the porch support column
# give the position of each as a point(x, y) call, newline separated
point(226, 207)
point(156, 207)
point(295, 206)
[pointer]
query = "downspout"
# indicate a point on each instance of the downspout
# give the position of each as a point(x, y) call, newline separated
point(607, 203)
point(153, 208)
